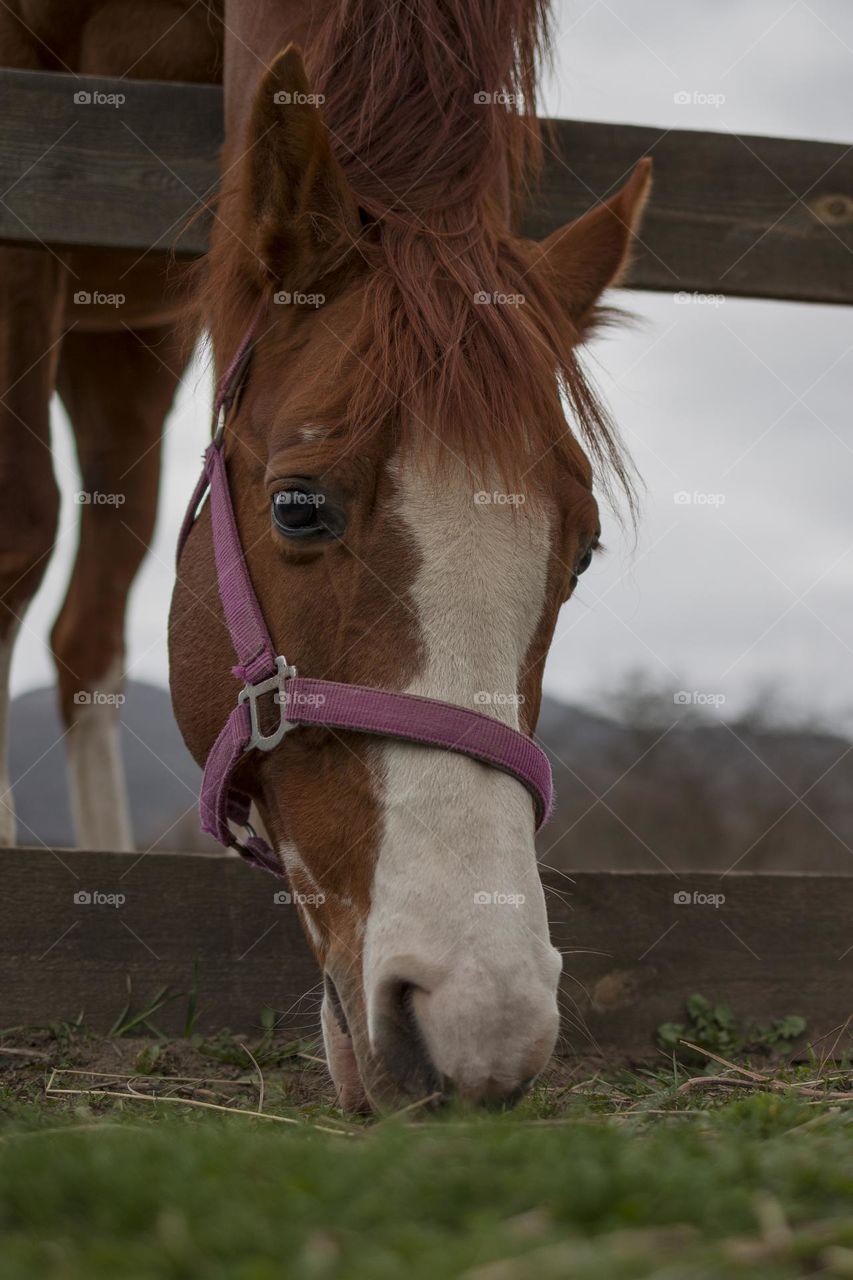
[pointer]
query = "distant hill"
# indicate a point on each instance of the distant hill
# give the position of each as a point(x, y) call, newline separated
point(162, 776)
point(697, 795)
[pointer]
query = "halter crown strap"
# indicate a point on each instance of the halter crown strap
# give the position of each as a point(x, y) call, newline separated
point(325, 703)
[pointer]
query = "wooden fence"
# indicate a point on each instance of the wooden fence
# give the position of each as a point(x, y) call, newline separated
point(96, 932)
point(762, 217)
point(132, 165)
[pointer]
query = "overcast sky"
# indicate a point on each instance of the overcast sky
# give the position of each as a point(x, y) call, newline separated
point(748, 400)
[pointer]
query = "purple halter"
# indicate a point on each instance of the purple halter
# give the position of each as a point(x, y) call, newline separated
point(402, 716)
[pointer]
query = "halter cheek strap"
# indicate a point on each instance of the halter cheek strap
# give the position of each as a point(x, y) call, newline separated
point(325, 703)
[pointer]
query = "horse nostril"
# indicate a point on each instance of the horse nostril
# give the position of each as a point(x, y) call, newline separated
point(399, 1042)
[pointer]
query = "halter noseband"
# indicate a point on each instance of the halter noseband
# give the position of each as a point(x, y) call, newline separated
point(402, 716)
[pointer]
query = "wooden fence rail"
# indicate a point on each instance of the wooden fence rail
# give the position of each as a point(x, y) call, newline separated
point(88, 161)
point(80, 931)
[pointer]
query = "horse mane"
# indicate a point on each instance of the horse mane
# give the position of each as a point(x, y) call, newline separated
point(403, 86)
point(440, 174)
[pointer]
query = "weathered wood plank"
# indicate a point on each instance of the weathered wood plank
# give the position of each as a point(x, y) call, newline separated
point(779, 944)
point(185, 919)
point(765, 217)
point(78, 168)
point(736, 215)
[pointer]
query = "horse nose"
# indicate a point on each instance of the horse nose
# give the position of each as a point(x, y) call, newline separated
point(481, 1038)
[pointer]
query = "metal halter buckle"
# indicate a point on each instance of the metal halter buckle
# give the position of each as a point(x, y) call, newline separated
point(240, 845)
point(219, 419)
point(251, 692)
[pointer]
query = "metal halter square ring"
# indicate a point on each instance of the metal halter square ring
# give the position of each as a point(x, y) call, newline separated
point(251, 692)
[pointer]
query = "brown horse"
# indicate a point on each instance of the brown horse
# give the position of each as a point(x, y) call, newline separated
point(412, 372)
point(116, 370)
point(406, 379)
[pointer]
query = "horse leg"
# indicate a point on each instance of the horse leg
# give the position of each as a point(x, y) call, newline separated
point(117, 388)
point(30, 331)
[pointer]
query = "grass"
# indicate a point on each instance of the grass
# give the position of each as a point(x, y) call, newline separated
point(632, 1175)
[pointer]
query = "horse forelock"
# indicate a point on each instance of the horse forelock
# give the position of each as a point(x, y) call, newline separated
point(463, 339)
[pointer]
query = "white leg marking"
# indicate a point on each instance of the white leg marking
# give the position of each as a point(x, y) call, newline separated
point(96, 770)
point(8, 826)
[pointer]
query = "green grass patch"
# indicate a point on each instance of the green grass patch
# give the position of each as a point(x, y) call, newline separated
point(594, 1177)
point(714, 1026)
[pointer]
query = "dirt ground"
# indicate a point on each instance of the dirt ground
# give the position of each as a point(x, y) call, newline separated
point(69, 1067)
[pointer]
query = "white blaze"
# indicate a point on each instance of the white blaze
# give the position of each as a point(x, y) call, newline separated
point(457, 832)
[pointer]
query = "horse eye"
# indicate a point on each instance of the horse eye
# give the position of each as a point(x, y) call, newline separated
point(297, 511)
point(584, 563)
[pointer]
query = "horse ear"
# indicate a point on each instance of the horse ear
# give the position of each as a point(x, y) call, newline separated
point(584, 257)
point(300, 214)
